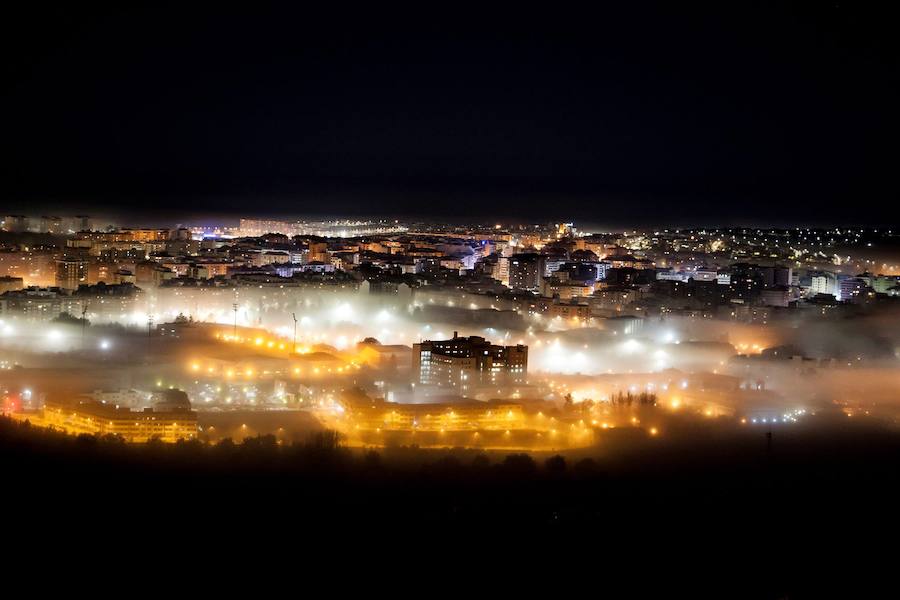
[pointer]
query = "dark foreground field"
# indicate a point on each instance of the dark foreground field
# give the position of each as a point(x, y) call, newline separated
point(824, 494)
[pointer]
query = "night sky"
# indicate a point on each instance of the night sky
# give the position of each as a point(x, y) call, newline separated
point(769, 113)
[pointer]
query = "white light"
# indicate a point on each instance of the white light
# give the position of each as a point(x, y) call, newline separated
point(104, 344)
point(344, 312)
point(631, 346)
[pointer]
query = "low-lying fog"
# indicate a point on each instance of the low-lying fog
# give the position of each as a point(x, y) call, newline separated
point(809, 360)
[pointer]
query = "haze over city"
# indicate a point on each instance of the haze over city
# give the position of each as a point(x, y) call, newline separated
point(629, 275)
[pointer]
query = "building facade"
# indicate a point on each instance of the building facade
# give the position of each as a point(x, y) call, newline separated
point(465, 363)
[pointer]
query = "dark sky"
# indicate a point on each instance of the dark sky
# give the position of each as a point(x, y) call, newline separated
point(633, 113)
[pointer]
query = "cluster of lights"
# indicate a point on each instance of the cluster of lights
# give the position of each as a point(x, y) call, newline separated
point(745, 348)
point(259, 341)
point(788, 417)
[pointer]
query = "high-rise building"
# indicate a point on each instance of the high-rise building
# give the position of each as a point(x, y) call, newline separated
point(782, 275)
point(823, 282)
point(80, 223)
point(51, 225)
point(468, 362)
point(525, 272)
point(71, 272)
point(501, 273)
point(318, 252)
point(853, 289)
point(14, 223)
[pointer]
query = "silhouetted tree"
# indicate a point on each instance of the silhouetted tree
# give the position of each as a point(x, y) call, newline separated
point(67, 318)
point(372, 460)
point(481, 461)
point(586, 467)
point(327, 439)
point(521, 465)
point(555, 465)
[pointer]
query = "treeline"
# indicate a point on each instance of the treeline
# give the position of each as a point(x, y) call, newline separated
point(322, 452)
point(628, 399)
point(617, 399)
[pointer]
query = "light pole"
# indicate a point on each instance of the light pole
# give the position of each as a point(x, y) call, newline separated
point(234, 307)
point(294, 347)
point(149, 333)
point(84, 308)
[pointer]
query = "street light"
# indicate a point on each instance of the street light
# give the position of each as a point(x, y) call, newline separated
point(84, 308)
point(149, 333)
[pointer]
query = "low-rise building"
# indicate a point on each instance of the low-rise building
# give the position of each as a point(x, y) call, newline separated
point(169, 419)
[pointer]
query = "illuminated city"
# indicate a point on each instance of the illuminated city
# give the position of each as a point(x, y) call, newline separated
point(632, 280)
point(568, 333)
